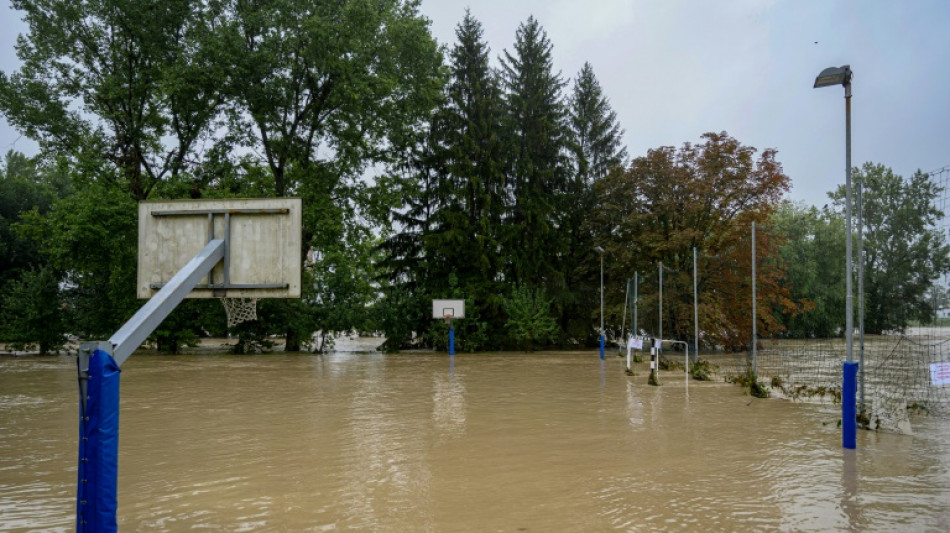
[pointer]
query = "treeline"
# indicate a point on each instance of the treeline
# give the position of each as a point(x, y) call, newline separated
point(425, 172)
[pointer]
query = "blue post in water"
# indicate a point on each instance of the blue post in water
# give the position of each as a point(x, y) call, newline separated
point(849, 410)
point(451, 341)
point(601, 346)
point(96, 500)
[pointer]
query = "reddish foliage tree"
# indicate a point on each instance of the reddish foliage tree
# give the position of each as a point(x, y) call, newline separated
point(706, 196)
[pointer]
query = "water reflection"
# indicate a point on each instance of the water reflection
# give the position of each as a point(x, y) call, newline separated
point(849, 495)
point(634, 406)
point(387, 477)
point(448, 404)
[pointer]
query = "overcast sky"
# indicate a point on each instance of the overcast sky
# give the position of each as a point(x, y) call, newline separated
point(676, 69)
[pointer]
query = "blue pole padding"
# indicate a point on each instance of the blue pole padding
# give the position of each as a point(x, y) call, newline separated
point(849, 408)
point(96, 500)
point(451, 341)
point(601, 346)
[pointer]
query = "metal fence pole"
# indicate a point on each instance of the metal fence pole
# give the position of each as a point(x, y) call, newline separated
point(636, 301)
point(755, 371)
point(695, 308)
point(660, 324)
point(861, 370)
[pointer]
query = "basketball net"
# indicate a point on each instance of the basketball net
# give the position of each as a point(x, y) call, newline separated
point(239, 310)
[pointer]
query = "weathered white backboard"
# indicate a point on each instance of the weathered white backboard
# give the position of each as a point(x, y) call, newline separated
point(448, 308)
point(262, 245)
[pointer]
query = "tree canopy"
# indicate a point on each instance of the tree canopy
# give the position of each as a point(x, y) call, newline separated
point(704, 196)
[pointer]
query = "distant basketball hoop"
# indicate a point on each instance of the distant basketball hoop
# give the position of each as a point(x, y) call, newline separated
point(447, 310)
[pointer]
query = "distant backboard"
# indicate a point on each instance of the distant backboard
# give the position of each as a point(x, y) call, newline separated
point(262, 245)
point(448, 308)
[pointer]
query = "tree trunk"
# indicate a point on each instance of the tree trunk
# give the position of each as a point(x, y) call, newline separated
point(292, 343)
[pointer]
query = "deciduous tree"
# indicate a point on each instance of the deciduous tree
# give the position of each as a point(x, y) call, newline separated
point(705, 196)
point(905, 253)
point(123, 89)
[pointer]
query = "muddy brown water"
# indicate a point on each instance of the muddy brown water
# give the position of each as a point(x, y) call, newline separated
point(485, 442)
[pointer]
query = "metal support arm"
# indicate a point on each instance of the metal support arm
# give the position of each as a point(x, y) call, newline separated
point(134, 332)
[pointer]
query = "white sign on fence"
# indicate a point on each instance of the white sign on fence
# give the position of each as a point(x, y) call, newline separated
point(940, 374)
point(635, 342)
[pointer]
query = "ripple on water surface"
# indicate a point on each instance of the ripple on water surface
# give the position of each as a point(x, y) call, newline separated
point(424, 442)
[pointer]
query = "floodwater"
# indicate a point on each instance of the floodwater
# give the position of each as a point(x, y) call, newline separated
point(486, 442)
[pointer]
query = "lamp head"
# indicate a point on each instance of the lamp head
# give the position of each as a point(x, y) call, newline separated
point(834, 76)
point(598, 249)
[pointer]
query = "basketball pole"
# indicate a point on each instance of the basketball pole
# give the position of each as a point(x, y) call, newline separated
point(98, 369)
point(451, 336)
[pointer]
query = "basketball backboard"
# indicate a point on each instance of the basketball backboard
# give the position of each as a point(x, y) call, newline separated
point(448, 308)
point(262, 245)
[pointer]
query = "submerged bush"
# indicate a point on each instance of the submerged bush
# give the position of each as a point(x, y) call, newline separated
point(702, 370)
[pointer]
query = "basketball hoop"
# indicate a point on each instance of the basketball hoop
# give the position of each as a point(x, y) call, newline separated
point(239, 310)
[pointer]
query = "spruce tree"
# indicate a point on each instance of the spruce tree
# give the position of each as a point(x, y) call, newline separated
point(597, 149)
point(469, 197)
point(597, 135)
point(538, 177)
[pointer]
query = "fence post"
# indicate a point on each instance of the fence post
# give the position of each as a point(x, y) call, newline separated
point(755, 370)
point(695, 308)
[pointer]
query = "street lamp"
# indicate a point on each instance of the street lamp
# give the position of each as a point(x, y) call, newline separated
point(600, 251)
point(829, 77)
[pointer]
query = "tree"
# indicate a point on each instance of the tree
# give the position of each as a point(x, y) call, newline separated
point(537, 132)
point(23, 188)
point(597, 149)
point(123, 94)
point(904, 252)
point(813, 258)
point(704, 196)
point(342, 282)
point(468, 201)
point(324, 90)
point(598, 145)
point(143, 74)
point(86, 236)
point(530, 323)
point(33, 312)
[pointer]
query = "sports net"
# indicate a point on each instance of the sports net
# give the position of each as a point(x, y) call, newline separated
point(897, 377)
point(239, 310)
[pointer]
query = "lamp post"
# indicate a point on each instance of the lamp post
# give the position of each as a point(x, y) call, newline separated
point(600, 251)
point(829, 77)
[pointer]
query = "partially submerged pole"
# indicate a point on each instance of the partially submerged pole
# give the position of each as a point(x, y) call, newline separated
point(623, 323)
point(755, 373)
point(695, 308)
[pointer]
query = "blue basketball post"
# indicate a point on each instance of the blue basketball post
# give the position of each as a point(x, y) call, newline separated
point(849, 409)
point(98, 444)
point(451, 339)
point(99, 362)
